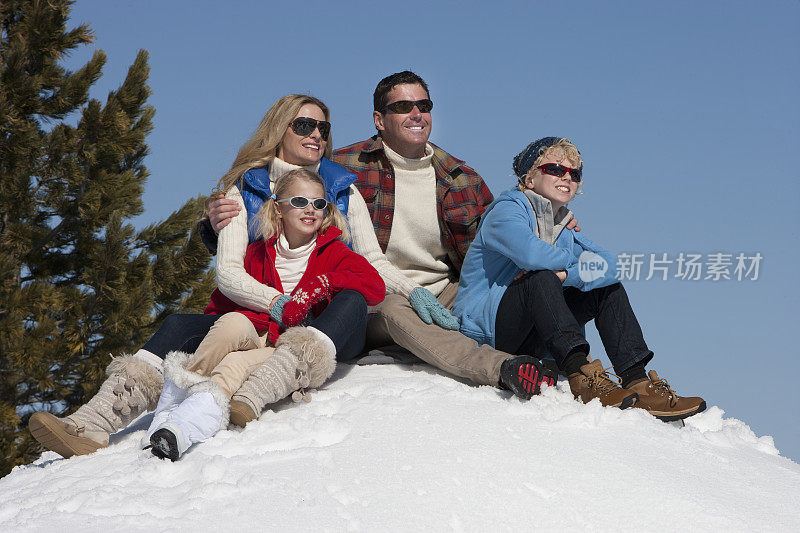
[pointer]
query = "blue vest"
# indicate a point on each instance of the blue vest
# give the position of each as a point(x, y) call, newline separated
point(255, 189)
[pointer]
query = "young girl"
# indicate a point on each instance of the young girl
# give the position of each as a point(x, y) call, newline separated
point(323, 284)
point(522, 289)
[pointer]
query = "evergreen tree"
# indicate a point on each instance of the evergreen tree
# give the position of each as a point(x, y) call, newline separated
point(78, 283)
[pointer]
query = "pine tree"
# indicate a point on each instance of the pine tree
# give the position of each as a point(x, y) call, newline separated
point(78, 283)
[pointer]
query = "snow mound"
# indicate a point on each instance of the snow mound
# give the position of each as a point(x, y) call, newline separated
point(399, 448)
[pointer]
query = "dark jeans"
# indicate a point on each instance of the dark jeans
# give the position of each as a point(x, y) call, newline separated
point(345, 322)
point(538, 316)
point(180, 331)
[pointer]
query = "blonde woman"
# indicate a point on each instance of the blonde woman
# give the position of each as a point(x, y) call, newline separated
point(295, 133)
point(298, 252)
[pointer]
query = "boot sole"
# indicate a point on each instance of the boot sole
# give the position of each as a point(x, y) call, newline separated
point(626, 403)
point(672, 416)
point(528, 378)
point(240, 414)
point(49, 432)
point(164, 445)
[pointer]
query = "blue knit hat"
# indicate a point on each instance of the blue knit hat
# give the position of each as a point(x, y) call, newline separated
point(526, 158)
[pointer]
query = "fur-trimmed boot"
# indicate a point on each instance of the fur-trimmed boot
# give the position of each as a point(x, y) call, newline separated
point(304, 358)
point(132, 388)
point(203, 412)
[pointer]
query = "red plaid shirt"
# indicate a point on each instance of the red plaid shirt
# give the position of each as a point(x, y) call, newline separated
point(461, 194)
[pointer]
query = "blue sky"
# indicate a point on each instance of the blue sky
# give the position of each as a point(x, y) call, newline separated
point(686, 114)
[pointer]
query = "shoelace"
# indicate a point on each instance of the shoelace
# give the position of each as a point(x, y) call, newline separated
point(603, 382)
point(662, 386)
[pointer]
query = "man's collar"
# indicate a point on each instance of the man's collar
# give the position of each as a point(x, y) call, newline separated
point(440, 157)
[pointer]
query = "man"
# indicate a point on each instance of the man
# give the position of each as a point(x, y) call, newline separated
point(425, 206)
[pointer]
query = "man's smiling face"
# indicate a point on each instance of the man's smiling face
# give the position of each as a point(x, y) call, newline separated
point(405, 133)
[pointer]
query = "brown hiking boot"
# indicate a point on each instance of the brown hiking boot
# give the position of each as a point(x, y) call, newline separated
point(64, 437)
point(660, 400)
point(593, 382)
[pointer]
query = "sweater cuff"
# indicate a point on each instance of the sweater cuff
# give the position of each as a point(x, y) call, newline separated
point(573, 277)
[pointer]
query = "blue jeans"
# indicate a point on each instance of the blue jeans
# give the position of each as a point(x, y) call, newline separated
point(180, 332)
point(344, 321)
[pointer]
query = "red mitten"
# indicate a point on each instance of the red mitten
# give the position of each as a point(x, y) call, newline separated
point(305, 297)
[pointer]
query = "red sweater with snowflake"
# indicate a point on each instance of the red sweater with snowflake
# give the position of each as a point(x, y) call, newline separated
point(344, 269)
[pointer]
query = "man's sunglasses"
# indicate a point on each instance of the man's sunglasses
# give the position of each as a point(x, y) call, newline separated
point(304, 126)
point(554, 169)
point(405, 106)
point(300, 202)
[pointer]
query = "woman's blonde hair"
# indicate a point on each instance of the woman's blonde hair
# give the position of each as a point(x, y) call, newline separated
point(565, 150)
point(262, 147)
point(267, 222)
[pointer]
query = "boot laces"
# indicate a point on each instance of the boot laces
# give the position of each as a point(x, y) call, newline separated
point(603, 382)
point(663, 388)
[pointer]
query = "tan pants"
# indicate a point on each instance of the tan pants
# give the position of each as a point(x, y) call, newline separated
point(397, 322)
point(230, 352)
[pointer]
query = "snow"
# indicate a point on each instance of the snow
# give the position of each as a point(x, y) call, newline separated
point(399, 448)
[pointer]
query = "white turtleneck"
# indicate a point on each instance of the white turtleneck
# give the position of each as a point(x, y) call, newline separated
point(291, 263)
point(415, 244)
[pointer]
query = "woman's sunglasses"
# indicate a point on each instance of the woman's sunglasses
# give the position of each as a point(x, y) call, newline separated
point(554, 169)
point(405, 106)
point(300, 202)
point(304, 126)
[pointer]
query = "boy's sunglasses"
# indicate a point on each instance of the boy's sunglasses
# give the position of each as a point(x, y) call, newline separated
point(300, 202)
point(554, 169)
point(405, 106)
point(304, 126)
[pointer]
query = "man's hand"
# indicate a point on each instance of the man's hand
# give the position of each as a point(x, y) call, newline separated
point(572, 224)
point(221, 211)
point(562, 275)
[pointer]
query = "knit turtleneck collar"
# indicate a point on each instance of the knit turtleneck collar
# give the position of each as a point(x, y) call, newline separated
point(404, 163)
point(282, 247)
point(278, 167)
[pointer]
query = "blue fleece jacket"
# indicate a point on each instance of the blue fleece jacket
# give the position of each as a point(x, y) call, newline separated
point(505, 244)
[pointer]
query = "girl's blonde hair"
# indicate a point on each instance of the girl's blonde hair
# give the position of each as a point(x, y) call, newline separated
point(564, 150)
point(262, 147)
point(267, 222)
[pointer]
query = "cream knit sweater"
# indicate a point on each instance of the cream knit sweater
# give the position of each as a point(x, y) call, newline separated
point(415, 244)
point(235, 283)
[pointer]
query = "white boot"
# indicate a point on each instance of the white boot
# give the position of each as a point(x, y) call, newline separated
point(171, 397)
point(131, 389)
point(203, 412)
point(304, 358)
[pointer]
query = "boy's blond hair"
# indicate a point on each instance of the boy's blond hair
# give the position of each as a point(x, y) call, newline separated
point(561, 149)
